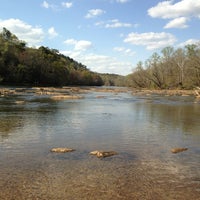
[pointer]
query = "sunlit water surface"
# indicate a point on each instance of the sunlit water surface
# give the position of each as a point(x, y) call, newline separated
point(142, 129)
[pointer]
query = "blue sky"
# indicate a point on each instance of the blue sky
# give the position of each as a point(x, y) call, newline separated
point(108, 36)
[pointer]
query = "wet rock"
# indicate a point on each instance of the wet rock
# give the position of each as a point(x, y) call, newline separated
point(64, 97)
point(103, 154)
point(21, 90)
point(19, 102)
point(178, 150)
point(62, 150)
point(100, 97)
point(4, 91)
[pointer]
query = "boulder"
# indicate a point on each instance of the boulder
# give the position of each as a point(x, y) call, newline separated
point(19, 102)
point(62, 150)
point(178, 150)
point(103, 154)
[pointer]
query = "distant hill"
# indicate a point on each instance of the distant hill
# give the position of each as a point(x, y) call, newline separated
point(22, 65)
point(114, 79)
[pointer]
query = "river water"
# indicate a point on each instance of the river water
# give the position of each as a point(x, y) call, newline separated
point(141, 128)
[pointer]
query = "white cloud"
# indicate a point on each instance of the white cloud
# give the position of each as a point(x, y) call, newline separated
point(83, 45)
point(45, 4)
point(107, 64)
point(183, 8)
point(57, 7)
point(119, 49)
point(32, 35)
point(127, 52)
point(177, 23)
point(100, 23)
point(122, 1)
point(181, 12)
point(115, 23)
point(94, 13)
point(189, 42)
point(72, 54)
point(100, 63)
point(79, 45)
point(52, 33)
point(70, 41)
point(151, 40)
point(67, 4)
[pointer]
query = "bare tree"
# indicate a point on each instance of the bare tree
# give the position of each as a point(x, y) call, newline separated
point(180, 61)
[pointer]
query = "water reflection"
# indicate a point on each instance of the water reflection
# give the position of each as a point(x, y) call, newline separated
point(183, 117)
point(9, 124)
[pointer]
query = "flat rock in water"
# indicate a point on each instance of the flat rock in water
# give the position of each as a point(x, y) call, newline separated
point(103, 154)
point(178, 150)
point(65, 97)
point(62, 150)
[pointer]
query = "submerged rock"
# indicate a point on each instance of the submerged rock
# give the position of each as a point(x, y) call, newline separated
point(178, 150)
point(100, 97)
point(103, 154)
point(62, 150)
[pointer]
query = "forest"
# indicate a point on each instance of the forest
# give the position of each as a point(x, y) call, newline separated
point(171, 69)
point(22, 65)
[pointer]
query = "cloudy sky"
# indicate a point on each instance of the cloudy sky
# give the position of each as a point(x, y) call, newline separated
point(108, 36)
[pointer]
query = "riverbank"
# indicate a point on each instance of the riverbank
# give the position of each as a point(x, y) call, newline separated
point(66, 93)
point(75, 90)
point(166, 92)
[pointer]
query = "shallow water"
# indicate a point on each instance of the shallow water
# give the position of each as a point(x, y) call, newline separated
point(142, 129)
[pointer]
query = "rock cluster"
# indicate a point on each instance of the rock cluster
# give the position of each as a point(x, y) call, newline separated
point(103, 154)
point(98, 154)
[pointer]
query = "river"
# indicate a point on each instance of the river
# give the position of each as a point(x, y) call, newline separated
point(141, 129)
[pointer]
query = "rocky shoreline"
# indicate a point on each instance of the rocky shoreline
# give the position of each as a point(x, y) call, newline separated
point(63, 93)
point(167, 92)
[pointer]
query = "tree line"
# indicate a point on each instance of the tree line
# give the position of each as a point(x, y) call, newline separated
point(23, 65)
point(172, 68)
point(113, 79)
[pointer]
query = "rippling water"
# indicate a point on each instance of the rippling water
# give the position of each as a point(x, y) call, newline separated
point(142, 129)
